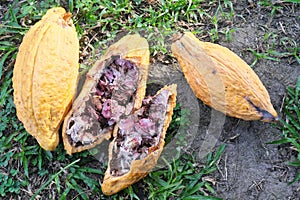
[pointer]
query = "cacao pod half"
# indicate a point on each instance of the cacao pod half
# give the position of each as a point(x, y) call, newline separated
point(45, 75)
point(114, 86)
point(139, 141)
point(223, 80)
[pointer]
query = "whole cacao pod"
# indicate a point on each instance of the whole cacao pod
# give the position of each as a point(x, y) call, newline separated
point(222, 80)
point(45, 75)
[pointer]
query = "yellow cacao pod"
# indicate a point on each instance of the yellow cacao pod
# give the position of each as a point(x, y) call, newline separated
point(222, 80)
point(45, 75)
point(119, 76)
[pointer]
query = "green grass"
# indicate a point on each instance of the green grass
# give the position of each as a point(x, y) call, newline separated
point(273, 46)
point(184, 178)
point(272, 42)
point(290, 125)
point(21, 157)
point(180, 121)
point(275, 6)
point(156, 21)
point(271, 5)
point(26, 169)
point(28, 166)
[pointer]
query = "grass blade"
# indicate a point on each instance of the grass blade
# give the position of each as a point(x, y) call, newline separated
point(200, 197)
point(52, 178)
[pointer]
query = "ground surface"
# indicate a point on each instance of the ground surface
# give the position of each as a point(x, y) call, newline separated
point(249, 168)
point(252, 169)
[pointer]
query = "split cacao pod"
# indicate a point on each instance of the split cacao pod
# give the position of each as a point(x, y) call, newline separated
point(114, 86)
point(222, 80)
point(45, 75)
point(139, 141)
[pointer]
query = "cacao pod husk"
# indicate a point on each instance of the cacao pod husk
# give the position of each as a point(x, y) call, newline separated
point(92, 117)
point(45, 75)
point(124, 170)
point(222, 80)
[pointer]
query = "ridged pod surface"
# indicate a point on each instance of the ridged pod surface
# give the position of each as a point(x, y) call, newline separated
point(222, 80)
point(45, 75)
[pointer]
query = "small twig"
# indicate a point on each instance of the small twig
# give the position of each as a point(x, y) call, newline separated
point(225, 168)
point(233, 137)
point(28, 192)
point(209, 179)
point(79, 194)
point(257, 185)
point(88, 45)
point(4, 37)
point(279, 167)
point(282, 28)
point(52, 178)
point(293, 148)
point(282, 103)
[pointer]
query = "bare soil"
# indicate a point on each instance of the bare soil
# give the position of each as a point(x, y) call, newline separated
point(250, 168)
